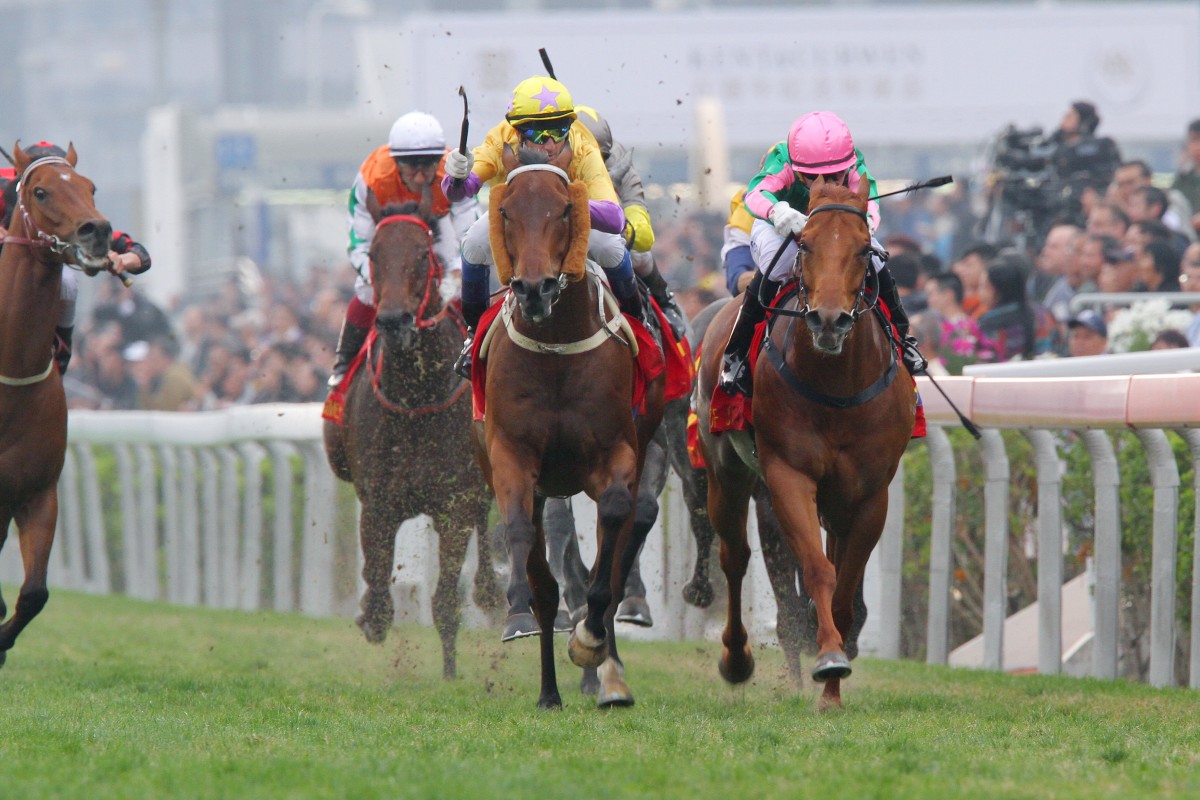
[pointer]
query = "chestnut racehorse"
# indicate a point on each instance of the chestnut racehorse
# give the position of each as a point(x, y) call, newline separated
point(833, 413)
point(406, 440)
point(55, 222)
point(558, 415)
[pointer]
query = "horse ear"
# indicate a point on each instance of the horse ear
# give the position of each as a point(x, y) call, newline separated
point(575, 262)
point(71, 155)
point(508, 157)
point(864, 188)
point(504, 268)
point(20, 159)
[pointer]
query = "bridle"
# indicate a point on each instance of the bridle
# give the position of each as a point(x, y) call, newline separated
point(43, 240)
point(861, 304)
point(433, 277)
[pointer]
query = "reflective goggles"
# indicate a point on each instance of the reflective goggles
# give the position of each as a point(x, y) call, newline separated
point(544, 135)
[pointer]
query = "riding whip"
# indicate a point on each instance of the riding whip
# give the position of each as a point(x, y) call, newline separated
point(546, 62)
point(462, 139)
point(966, 423)
point(932, 183)
point(4, 153)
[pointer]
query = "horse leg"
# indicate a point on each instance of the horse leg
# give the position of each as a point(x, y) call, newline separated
point(614, 510)
point(794, 498)
point(545, 604)
point(453, 535)
point(634, 609)
point(486, 592)
point(851, 552)
point(781, 570)
point(728, 507)
point(35, 535)
point(5, 521)
point(566, 565)
point(377, 536)
point(514, 491)
point(699, 590)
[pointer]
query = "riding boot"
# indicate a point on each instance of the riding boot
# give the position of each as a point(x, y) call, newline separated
point(474, 303)
point(62, 348)
point(909, 352)
point(657, 285)
point(471, 314)
point(349, 343)
point(624, 286)
point(735, 363)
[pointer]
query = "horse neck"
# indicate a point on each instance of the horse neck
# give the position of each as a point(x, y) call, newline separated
point(863, 359)
point(29, 307)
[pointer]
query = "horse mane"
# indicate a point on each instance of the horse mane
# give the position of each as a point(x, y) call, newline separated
point(409, 209)
point(575, 263)
point(834, 193)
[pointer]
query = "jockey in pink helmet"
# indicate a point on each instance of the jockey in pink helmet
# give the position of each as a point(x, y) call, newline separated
point(819, 144)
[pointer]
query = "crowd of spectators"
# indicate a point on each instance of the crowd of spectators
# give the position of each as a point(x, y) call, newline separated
point(973, 297)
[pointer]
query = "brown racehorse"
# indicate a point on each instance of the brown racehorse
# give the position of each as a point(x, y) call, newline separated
point(406, 440)
point(558, 416)
point(55, 222)
point(833, 413)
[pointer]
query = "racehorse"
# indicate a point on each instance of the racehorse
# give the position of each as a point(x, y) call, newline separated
point(406, 438)
point(55, 222)
point(832, 416)
point(559, 418)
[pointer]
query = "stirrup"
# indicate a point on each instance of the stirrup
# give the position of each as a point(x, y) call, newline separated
point(735, 375)
point(462, 364)
point(675, 317)
point(911, 355)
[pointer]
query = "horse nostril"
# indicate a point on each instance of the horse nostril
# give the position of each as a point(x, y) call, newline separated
point(813, 320)
point(519, 288)
point(395, 321)
point(549, 287)
point(844, 323)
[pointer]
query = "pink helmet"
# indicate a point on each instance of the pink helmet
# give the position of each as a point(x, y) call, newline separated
point(820, 143)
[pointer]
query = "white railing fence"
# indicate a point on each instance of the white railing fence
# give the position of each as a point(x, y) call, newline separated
point(238, 509)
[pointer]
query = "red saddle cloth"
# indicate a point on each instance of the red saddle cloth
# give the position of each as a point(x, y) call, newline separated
point(650, 361)
point(335, 404)
point(730, 412)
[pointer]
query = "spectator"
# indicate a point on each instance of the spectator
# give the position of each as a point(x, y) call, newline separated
point(140, 318)
point(1091, 259)
point(1015, 327)
point(1189, 281)
point(1169, 339)
point(906, 269)
point(1157, 267)
point(970, 268)
point(1087, 334)
point(1149, 204)
point(954, 337)
point(1057, 276)
point(1107, 219)
point(1134, 175)
point(1118, 273)
point(164, 384)
point(1187, 180)
point(1082, 158)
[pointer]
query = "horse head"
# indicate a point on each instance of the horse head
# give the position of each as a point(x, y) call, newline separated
point(405, 273)
point(835, 254)
point(539, 228)
point(56, 209)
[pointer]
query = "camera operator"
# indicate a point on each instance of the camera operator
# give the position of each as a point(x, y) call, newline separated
point(1081, 159)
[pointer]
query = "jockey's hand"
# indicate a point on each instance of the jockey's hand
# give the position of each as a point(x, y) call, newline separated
point(458, 166)
point(787, 220)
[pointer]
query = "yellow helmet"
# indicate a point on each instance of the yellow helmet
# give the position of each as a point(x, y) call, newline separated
point(540, 99)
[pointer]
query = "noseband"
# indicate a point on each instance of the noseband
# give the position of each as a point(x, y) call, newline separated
point(861, 305)
point(44, 240)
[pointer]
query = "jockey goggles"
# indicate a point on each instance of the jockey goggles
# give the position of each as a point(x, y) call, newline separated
point(542, 135)
point(419, 162)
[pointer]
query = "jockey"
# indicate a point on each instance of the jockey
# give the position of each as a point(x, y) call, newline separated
point(736, 259)
point(819, 144)
point(541, 116)
point(125, 255)
point(638, 233)
point(408, 169)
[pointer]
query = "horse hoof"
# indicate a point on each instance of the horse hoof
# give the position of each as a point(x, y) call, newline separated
point(698, 594)
point(3, 657)
point(832, 666)
point(520, 625)
point(635, 611)
point(562, 621)
point(589, 683)
point(578, 615)
point(739, 673)
point(551, 702)
point(374, 632)
point(581, 652)
point(614, 692)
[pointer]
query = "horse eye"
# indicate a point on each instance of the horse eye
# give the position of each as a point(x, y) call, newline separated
point(40, 193)
point(567, 212)
point(503, 213)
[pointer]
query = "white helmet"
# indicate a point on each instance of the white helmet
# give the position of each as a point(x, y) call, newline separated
point(416, 134)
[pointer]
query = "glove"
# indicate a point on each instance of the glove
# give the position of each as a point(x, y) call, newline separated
point(458, 166)
point(787, 220)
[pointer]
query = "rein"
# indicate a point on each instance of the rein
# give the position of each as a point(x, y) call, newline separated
point(44, 240)
point(374, 373)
